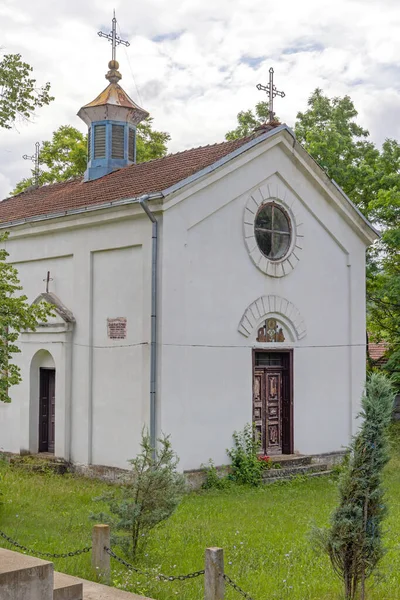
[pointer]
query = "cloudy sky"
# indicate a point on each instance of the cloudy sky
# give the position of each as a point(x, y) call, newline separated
point(193, 64)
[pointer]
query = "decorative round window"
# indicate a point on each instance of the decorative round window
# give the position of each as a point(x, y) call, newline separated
point(272, 231)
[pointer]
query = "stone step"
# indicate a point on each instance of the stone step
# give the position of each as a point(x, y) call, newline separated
point(288, 460)
point(67, 587)
point(293, 476)
point(297, 470)
point(40, 463)
point(24, 577)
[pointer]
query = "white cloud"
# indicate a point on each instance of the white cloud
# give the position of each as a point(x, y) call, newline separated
point(196, 62)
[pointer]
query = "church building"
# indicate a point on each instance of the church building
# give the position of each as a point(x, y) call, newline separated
point(192, 294)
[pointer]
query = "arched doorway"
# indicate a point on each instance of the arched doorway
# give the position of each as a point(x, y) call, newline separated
point(43, 382)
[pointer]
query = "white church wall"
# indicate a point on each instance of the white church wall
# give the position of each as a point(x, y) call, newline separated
point(208, 282)
point(106, 256)
point(117, 370)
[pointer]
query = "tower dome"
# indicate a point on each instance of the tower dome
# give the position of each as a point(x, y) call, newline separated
point(111, 118)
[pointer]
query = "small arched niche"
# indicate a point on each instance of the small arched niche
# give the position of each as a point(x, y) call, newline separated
point(42, 402)
point(273, 319)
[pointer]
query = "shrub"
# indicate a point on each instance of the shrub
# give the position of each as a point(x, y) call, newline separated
point(213, 479)
point(150, 496)
point(354, 539)
point(246, 467)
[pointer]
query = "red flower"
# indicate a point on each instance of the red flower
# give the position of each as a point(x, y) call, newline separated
point(264, 458)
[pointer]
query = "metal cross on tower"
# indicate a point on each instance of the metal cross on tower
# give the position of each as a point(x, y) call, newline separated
point(113, 37)
point(272, 92)
point(36, 160)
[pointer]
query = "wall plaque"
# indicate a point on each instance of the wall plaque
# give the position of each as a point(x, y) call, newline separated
point(116, 328)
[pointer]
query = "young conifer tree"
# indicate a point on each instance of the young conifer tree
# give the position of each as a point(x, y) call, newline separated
point(354, 539)
point(148, 498)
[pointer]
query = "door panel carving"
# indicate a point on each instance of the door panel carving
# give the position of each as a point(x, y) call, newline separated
point(272, 403)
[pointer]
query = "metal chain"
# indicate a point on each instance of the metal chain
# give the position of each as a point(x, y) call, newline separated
point(236, 587)
point(38, 553)
point(159, 576)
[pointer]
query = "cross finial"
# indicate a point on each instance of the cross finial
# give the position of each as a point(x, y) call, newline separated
point(114, 38)
point(36, 159)
point(47, 280)
point(272, 92)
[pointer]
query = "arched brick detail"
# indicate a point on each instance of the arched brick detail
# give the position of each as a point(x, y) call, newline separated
point(266, 305)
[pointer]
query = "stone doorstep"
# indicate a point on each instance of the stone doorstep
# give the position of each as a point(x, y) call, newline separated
point(288, 460)
point(67, 587)
point(292, 471)
point(289, 477)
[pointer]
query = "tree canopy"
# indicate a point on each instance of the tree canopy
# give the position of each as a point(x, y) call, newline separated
point(19, 94)
point(65, 155)
point(370, 176)
point(16, 315)
point(248, 121)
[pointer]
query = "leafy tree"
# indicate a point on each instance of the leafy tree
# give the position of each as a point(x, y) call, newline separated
point(19, 95)
point(328, 131)
point(353, 541)
point(249, 120)
point(65, 156)
point(150, 143)
point(16, 315)
point(371, 178)
point(150, 496)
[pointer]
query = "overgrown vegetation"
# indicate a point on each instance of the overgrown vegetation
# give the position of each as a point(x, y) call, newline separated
point(246, 467)
point(264, 532)
point(353, 542)
point(247, 464)
point(16, 315)
point(151, 495)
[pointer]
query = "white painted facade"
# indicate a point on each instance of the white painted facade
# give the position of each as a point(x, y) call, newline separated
point(213, 294)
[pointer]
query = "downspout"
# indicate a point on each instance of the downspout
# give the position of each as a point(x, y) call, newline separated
point(153, 343)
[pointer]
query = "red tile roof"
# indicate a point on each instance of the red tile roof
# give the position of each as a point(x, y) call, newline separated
point(377, 352)
point(132, 181)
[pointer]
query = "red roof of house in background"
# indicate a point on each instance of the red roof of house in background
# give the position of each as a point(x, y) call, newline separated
point(132, 181)
point(377, 352)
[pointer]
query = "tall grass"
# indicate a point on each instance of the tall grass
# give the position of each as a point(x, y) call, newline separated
point(264, 533)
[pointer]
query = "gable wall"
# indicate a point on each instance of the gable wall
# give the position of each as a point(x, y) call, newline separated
point(208, 281)
point(98, 272)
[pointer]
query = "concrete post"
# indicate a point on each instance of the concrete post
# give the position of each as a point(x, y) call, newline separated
point(100, 558)
point(214, 585)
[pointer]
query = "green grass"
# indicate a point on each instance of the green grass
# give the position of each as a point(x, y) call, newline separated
point(264, 533)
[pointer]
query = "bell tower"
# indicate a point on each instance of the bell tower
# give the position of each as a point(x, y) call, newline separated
point(111, 118)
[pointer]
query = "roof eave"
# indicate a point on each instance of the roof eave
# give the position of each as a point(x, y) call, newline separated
point(81, 210)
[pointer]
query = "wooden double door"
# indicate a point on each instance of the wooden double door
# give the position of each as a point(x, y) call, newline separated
point(47, 391)
point(272, 401)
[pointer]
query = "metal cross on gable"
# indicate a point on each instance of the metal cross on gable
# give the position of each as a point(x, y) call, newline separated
point(113, 37)
point(272, 93)
point(36, 159)
point(47, 280)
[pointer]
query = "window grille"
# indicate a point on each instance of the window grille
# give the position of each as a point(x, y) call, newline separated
point(89, 139)
point(131, 154)
point(99, 141)
point(118, 141)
